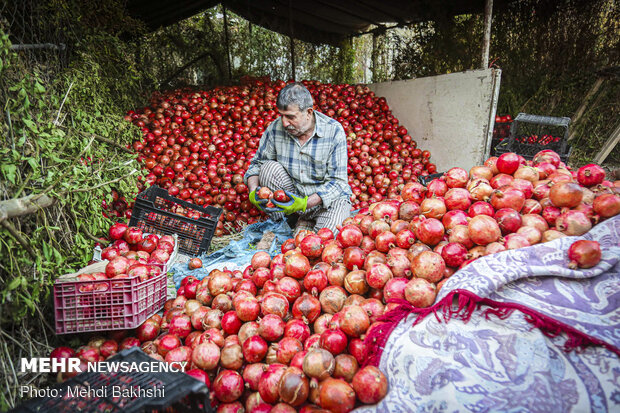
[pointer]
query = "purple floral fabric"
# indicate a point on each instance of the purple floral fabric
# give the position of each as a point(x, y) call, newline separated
point(492, 364)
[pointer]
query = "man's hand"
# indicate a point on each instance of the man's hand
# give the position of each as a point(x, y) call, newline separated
point(257, 202)
point(297, 203)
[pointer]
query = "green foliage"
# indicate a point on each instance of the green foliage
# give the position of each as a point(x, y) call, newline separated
point(51, 120)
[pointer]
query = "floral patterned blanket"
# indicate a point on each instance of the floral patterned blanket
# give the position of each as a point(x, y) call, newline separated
point(513, 332)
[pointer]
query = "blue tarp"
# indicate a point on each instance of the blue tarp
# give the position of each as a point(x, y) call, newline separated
point(237, 254)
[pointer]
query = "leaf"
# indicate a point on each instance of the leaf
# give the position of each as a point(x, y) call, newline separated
point(38, 87)
point(15, 282)
point(32, 162)
point(10, 172)
point(31, 125)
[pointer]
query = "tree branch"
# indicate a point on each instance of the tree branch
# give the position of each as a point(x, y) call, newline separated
point(30, 204)
point(18, 236)
point(103, 184)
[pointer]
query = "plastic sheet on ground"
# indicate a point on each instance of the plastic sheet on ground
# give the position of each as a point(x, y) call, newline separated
point(505, 335)
point(237, 254)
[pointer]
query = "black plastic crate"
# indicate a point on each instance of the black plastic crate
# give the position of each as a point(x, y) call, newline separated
point(530, 134)
point(181, 392)
point(151, 213)
point(425, 179)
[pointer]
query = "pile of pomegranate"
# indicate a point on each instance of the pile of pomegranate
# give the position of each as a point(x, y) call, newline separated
point(131, 254)
point(288, 333)
point(198, 144)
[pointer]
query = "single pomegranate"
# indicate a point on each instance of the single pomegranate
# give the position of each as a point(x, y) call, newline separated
point(433, 208)
point(271, 327)
point(428, 265)
point(386, 210)
point(168, 342)
point(494, 248)
point(552, 234)
point(252, 374)
point(231, 357)
point(332, 299)
point(206, 356)
point(547, 155)
point(508, 163)
point(456, 177)
point(312, 246)
point(354, 320)
point(483, 230)
point(395, 289)
point(454, 254)
point(351, 235)
point(606, 205)
point(306, 307)
point(297, 265)
point(460, 234)
point(231, 323)
point(268, 385)
point(566, 194)
point(336, 395)
point(297, 329)
point(573, 222)
point(334, 341)
point(430, 231)
point(346, 367)
point(287, 348)
point(179, 355)
point(378, 274)
point(533, 235)
point(501, 180)
point(508, 197)
point(353, 257)
point(291, 289)
point(370, 385)
point(420, 293)
point(508, 220)
point(453, 218)
point(584, 254)
point(590, 175)
point(147, 331)
point(436, 187)
point(274, 303)
point(457, 199)
point(355, 282)
point(514, 241)
point(293, 387)
point(383, 242)
point(479, 208)
point(254, 349)
point(180, 326)
point(228, 386)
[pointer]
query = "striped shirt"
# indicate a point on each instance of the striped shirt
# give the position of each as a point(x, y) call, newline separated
point(319, 166)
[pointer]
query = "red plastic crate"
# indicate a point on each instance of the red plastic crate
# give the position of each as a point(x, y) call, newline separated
point(101, 305)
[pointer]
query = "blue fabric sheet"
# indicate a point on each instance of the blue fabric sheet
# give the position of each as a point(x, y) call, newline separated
point(237, 253)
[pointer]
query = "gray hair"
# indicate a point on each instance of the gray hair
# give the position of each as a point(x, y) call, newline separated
point(294, 94)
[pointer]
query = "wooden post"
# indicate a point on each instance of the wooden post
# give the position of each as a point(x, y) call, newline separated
point(586, 103)
point(291, 34)
point(486, 42)
point(374, 58)
point(608, 146)
point(292, 58)
point(227, 42)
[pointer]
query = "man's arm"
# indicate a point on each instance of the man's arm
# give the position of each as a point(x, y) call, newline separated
point(252, 182)
point(336, 181)
point(266, 152)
